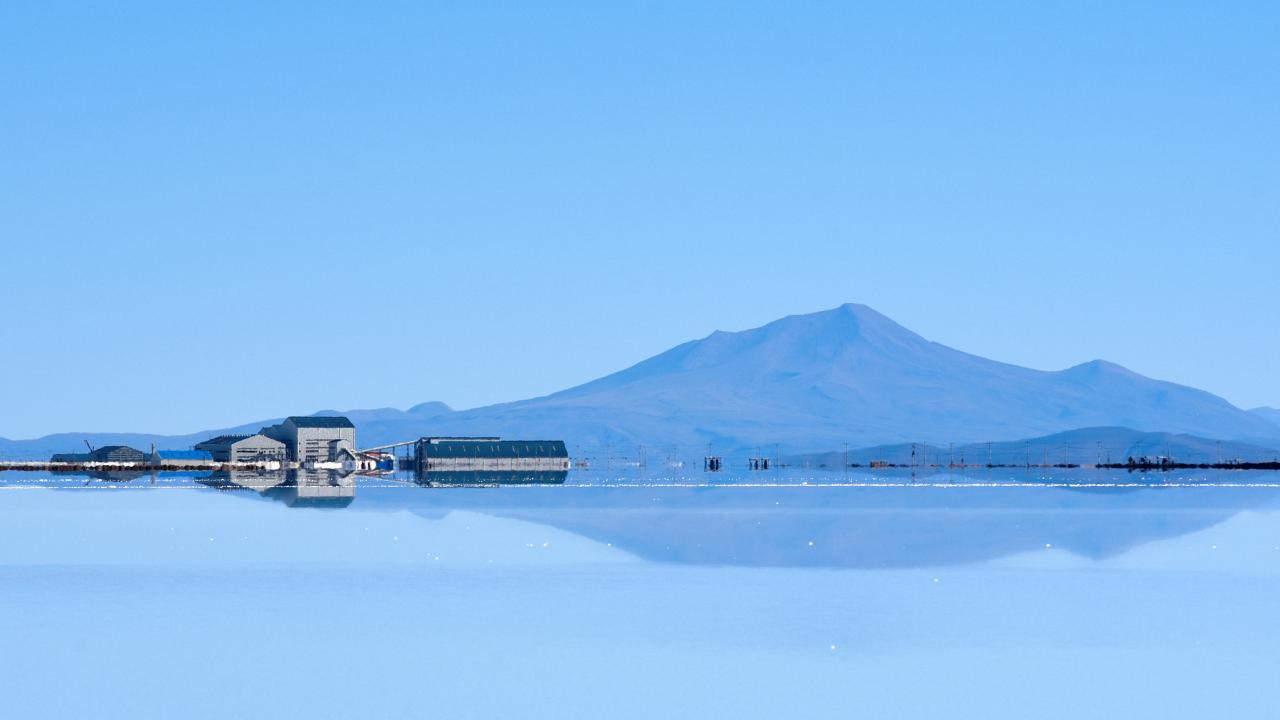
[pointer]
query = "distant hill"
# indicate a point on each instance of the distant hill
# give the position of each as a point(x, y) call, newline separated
point(807, 383)
point(814, 382)
point(1086, 446)
point(1270, 414)
point(42, 448)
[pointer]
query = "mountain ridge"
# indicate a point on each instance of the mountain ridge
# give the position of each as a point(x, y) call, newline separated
point(1270, 414)
point(812, 382)
point(1082, 446)
point(852, 374)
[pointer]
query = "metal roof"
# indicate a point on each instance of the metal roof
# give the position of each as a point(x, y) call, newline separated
point(494, 449)
point(184, 455)
point(227, 439)
point(313, 421)
point(106, 451)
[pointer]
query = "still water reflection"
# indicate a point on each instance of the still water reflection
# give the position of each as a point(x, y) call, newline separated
point(1081, 595)
point(295, 488)
point(865, 521)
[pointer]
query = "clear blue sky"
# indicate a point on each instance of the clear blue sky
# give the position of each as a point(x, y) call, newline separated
point(212, 213)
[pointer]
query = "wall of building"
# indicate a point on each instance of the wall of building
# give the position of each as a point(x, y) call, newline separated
point(461, 464)
point(258, 449)
point(322, 444)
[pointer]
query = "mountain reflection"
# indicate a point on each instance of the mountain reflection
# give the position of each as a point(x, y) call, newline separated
point(852, 527)
point(790, 522)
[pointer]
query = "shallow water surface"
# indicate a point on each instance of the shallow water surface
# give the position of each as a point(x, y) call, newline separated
point(779, 595)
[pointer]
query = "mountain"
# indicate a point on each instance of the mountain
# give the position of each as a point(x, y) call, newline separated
point(421, 411)
point(1270, 414)
point(1085, 446)
point(814, 382)
point(811, 383)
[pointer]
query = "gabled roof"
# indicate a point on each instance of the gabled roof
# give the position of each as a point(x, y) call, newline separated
point(325, 421)
point(224, 439)
point(106, 450)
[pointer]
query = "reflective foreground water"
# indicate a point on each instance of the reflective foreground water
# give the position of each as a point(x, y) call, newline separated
point(773, 595)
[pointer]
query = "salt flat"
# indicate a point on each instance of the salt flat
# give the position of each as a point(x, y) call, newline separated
point(620, 599)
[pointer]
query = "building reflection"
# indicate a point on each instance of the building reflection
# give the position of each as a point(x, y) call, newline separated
point(490, 478)
point(294, 487)
point(114, 476)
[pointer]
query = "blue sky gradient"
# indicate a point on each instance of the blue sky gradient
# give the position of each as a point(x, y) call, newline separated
point(211, 213)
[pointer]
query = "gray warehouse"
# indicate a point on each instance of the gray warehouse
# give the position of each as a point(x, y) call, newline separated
point(245, 449)
point(315, 439)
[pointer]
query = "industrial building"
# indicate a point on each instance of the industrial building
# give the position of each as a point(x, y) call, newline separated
point(490, 454)
point(245, 449)
point(104, 454)
point(117, 454)
point(315, 439)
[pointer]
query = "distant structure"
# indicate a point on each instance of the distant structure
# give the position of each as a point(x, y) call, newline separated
point(104, 454)
point(470, 454)
point(181, 459)
point(711, 463)
point(315, 439)
point(117, 454)
point(245, 449)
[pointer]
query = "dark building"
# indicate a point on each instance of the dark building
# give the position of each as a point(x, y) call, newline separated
point(490, 454)
point(117, 454)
